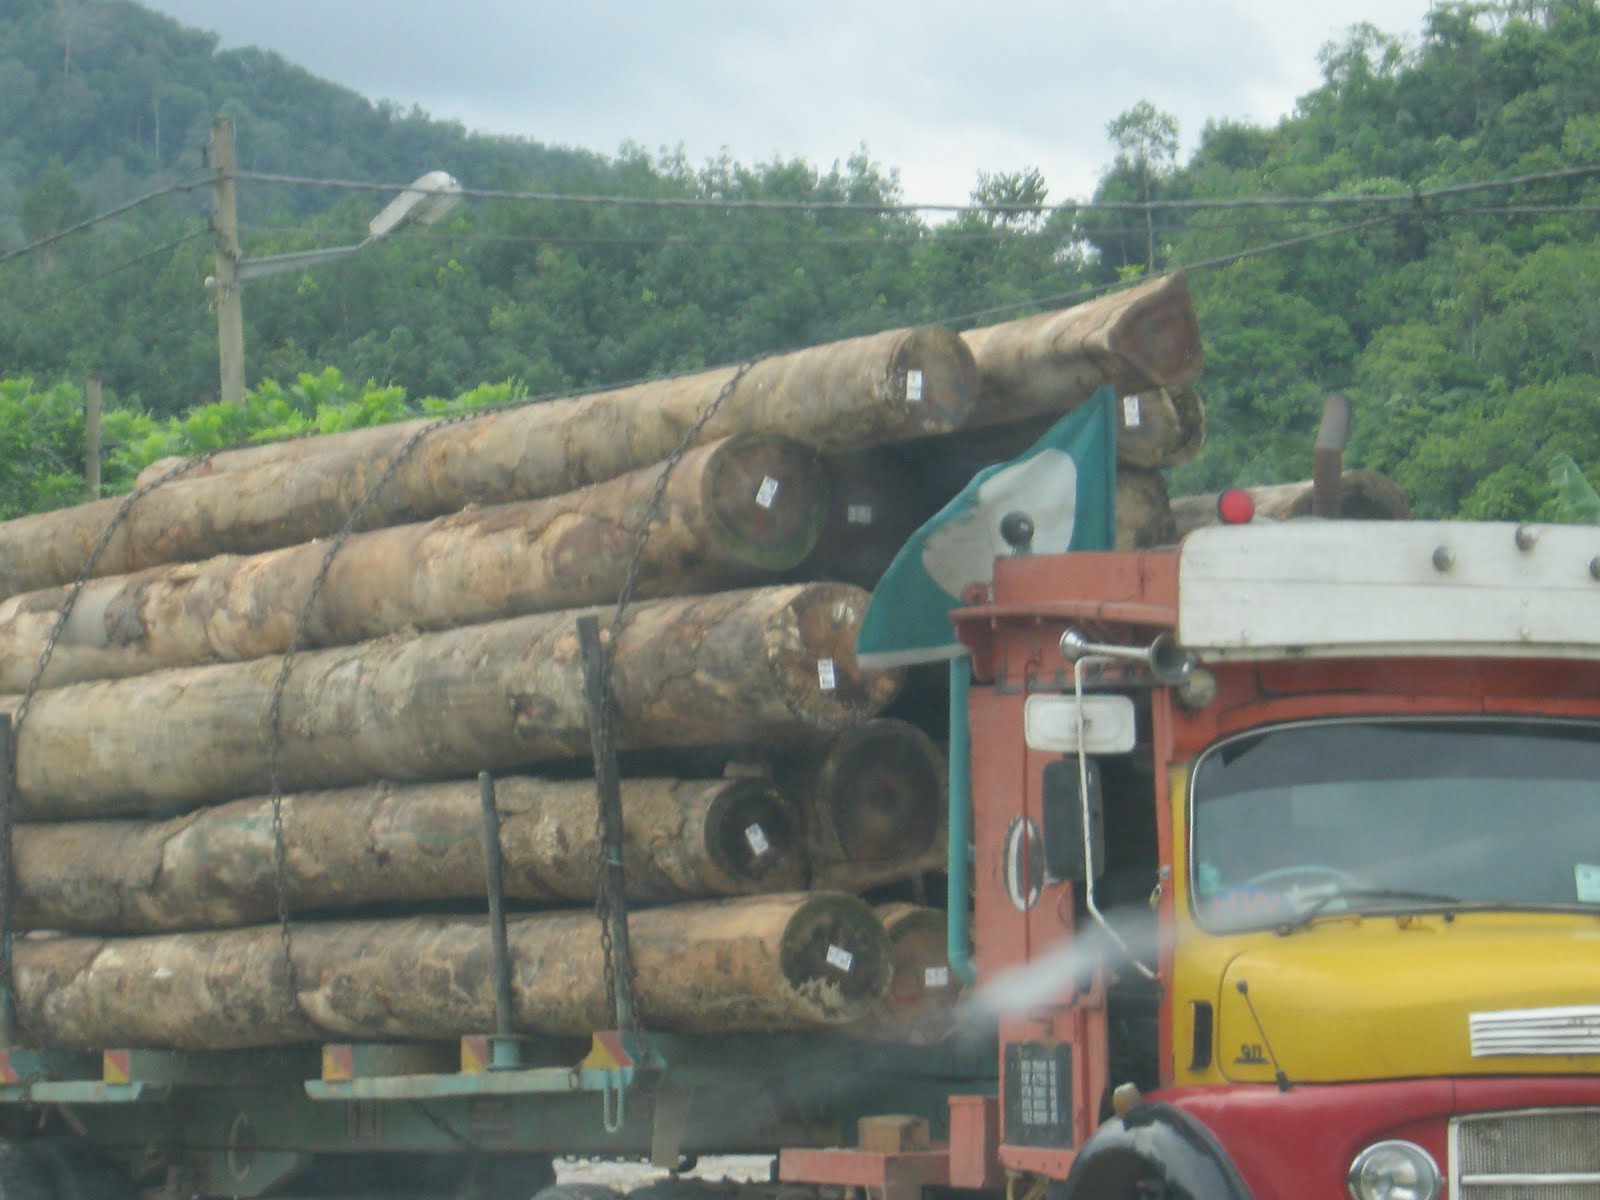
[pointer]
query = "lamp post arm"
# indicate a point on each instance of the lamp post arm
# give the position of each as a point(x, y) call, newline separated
point(273, 264)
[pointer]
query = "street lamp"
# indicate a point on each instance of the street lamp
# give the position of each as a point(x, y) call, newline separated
point(423, 202)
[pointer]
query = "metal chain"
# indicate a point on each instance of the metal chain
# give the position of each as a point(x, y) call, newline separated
point(274, 717)
point(444, 1127)
point(87, 572)
point(605, 902)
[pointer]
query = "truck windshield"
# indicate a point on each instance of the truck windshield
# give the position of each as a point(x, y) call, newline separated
point(1405, 815)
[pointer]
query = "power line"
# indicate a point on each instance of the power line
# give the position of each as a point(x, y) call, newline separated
point(725, 204)
point(1035, 302)
point(1079, 296)
point(1520, 210)
point(927, 237)
point(54, 298)
point(102, 218)
point(949, 320)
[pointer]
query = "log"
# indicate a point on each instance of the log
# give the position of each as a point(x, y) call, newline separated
point(1368, 496)
point(1160, 428)
point(415, 845)
point(836, 397)
point(1144, 513)
point(874, 798)
point(753, 964)
point(1169, 430)
point(1141, 338)
point(920, 1004)
point(732, 510)
point(876, 501)
point(945, 465)
point(768, 664)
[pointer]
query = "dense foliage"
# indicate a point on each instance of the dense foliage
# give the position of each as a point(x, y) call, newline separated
point(1464, 323)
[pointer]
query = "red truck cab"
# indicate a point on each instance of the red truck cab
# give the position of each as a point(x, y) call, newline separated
point(1286, 862)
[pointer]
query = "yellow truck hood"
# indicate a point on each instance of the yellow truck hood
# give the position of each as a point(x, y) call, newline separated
point(1351, 998)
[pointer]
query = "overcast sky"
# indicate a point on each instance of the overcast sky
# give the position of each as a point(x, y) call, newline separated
point(938, 89)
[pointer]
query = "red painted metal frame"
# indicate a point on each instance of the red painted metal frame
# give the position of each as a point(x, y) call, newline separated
point(1301, 1142)
point(975, 1142)
point(1015, 649)
point(1253, 694)
point(893, 1176)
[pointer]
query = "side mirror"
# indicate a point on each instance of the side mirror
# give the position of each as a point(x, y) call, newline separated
point(1064, 811)
point(1050, 722)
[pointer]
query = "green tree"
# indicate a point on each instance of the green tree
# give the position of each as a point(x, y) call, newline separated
point(1147, 154)
point(52, 203)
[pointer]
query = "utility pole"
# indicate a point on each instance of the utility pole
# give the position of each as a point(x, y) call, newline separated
point(230, 298)
point(425, 201)
point(91, 436)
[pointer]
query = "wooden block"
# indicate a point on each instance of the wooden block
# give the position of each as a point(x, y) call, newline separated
point(892, 1134)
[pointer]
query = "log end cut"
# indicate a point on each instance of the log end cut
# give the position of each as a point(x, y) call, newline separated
point(1160, 428)
point(921, 1002)
point(1144, 511)
point(882, 791)
point(1157, 341)
point(753, 837)
point(835, 957)
point(932, 381)
point(813, 653)
point(768, 497)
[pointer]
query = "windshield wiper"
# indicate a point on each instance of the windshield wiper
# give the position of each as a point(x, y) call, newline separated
point(1310, 913)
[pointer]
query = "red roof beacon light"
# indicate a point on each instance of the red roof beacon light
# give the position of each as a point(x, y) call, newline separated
point(1235, 507)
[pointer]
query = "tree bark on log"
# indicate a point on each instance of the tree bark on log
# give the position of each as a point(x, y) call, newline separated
point(1141, 338)
point(732, 510)
point(874, 797)
point(1368, 496)
point(769, 664)
point(1144, 512)
point(754, 964)
point(413, 845)
point(920, 1003)
point(836, 397)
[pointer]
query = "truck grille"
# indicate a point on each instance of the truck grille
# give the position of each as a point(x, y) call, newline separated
point(1544, 1154)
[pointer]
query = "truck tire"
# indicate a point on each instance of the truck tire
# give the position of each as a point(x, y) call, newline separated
point(510, 1177)
point(20, 1176)
point(445, 1176)
point(685, 1189)
point(58, 1169)
point(578, 1191)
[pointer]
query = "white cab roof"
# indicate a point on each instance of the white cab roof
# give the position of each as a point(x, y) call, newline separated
point(1344, 588)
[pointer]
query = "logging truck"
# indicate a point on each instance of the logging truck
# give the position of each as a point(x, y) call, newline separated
point(1283, 851)
point(1271, 869)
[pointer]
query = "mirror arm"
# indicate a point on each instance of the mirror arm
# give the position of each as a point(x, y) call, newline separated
point(1088, 838)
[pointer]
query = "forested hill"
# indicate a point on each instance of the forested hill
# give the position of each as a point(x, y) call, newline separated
point(124, 97)
point(1423, 233)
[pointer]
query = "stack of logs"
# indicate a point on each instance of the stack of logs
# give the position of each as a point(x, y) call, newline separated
point(246, 748)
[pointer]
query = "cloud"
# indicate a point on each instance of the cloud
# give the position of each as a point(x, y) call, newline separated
point(940, 89)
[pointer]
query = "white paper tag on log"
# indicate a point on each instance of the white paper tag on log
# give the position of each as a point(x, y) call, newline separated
point(858, 514)
point(827, 674)
point(840, 958)
point(757, 838)
point(936, 977)
point(1130, 412)
point(913, 387)
point(767, 492)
